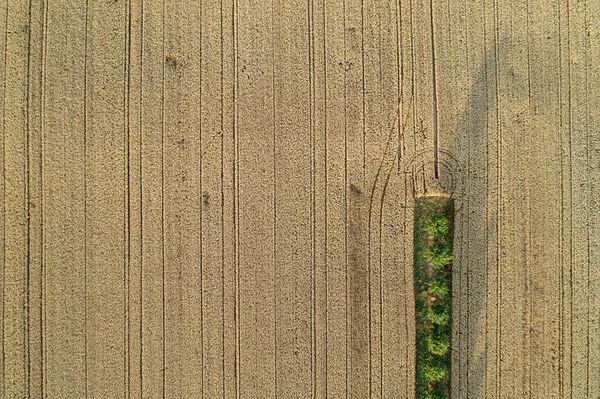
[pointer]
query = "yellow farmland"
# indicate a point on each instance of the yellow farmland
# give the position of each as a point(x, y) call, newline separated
point(214, 198)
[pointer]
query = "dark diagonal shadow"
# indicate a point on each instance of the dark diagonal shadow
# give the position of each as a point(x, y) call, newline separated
point(475, 229)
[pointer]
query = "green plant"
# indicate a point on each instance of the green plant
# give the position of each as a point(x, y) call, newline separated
point(421, 381)
point(438, 343)
point(433, 293)
point(437, 314)
point(438, 286)
point(437, 226)
point(435, 370)
point(439, 255)
point(436, 394)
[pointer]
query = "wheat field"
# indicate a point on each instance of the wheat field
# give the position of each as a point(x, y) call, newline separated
point(215, 199)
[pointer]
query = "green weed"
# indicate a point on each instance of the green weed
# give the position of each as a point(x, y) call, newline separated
point(437, 314)
point(435, 370)
point(437, 226)
point(438, 287)
point(437, 394)
point(439, 255)
point(438, 343)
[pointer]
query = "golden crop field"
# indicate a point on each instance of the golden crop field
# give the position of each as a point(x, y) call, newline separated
point(215, 198)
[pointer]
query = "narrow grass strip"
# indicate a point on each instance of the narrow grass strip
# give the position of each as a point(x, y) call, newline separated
point(433, 229)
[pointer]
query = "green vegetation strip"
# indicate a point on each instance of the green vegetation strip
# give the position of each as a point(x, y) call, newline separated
point(433, 295)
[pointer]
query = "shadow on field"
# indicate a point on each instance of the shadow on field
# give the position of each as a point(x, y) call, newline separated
point(473, 232)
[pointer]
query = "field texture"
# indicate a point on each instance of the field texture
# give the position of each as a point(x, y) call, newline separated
point(215, 199)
